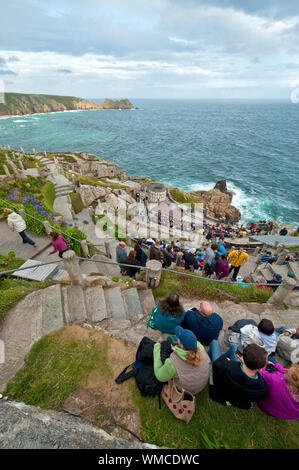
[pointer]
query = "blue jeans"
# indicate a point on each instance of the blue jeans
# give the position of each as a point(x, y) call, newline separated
point(215, 352)
point(25, 238)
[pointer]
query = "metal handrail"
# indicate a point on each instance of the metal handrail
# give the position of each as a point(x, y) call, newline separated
point(174, 272)
point(180, 273)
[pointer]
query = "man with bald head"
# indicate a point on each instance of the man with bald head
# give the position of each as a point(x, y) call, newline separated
point(121, 256)
point(204, 323)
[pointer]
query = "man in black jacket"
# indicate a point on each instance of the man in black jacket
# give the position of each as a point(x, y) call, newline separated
point(236, 381)
point(190, 260)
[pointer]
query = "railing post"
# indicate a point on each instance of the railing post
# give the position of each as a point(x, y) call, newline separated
point(280, 249)
point(47, 227)
point(72, 266)
point(282, 257)
point(256, 251)
point(153, 273)
point(84, 247)
point(108, 250)
point(282, 292)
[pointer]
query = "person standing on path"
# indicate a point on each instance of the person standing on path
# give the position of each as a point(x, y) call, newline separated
point(154, 252)
point(121, 256)
point(237, 258)
point(59, 243)
point(17, 224)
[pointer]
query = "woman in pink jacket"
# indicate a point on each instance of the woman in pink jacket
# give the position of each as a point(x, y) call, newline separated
point(59, 243)
point(283, 399)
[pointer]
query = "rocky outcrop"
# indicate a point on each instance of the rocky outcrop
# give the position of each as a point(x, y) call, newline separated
point(87, 164)
point(217, 203)
point(28, 427)
point(89, 194)
point(117, 104)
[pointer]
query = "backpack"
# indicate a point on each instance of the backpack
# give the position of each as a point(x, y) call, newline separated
point(143, 368)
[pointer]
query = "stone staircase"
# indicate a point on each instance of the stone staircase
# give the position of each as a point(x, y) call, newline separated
point(47, 310)
point(45, 161)
point(266, 271)
point(94, 304)
point(63, 189)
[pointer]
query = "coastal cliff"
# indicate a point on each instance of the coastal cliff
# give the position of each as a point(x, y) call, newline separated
point(18, 104)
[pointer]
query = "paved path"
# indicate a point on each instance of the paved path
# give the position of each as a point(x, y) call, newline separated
point(11, 241)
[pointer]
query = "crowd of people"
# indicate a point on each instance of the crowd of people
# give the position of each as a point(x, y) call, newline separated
point(214, 261)
point(247, 372)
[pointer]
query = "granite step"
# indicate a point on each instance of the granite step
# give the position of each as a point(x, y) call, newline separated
point(147, 301)
point(279, 269)
point(95, 304)
point(52, 310)
point(114, 303)
point(106, 269)
point(247, 269)
point(74, 304)
point(132, 303)
point(257, 277)
point(264, 272)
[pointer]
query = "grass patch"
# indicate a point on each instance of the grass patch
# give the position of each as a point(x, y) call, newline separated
point(223, 427)
point(77, 203)
point(182, 197)
point(48, 193)
point(54, 368)
point(76, 357)
point(14, 290)
point(292, 248)
point(92, 181)
point(189, 287)
point(10, 261)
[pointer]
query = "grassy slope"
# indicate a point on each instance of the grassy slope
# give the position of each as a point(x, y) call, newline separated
point(60, 363)
point(190, 287)
point(13, 290)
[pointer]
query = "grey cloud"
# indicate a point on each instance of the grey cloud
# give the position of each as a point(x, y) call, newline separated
point(292, 66)
point(13, 58)
point(64, 71)
point(269, 8)
point(7, 72)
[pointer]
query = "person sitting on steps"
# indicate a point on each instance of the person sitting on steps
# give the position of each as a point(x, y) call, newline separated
point(188, 364)
point(236, 380)
point(169, 314)
point(205, 324)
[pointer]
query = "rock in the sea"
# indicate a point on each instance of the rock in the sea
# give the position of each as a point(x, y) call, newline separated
point(217, 203)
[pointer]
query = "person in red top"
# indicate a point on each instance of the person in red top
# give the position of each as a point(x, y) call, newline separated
point(59, 243)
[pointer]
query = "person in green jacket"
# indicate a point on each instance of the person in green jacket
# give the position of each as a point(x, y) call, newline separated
point(188, 364)
point(169, 314)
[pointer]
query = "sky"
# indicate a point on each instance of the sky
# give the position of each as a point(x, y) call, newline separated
point(190, 49)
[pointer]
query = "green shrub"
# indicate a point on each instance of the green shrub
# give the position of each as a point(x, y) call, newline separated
point(77, 203)
point(48, 193)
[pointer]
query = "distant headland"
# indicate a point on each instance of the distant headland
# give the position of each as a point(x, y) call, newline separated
point(19, 104)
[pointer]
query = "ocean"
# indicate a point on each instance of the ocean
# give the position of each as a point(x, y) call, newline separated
point(190, 144)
